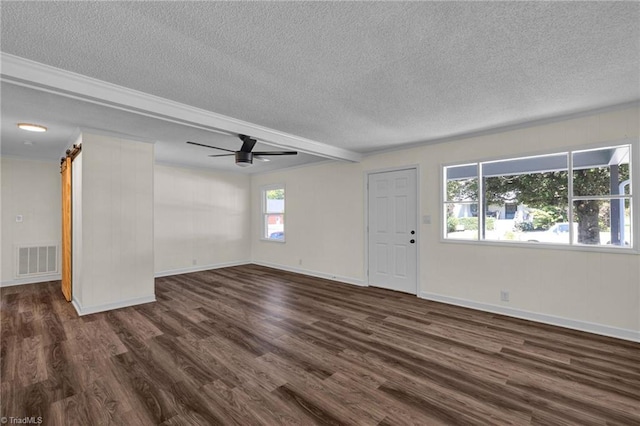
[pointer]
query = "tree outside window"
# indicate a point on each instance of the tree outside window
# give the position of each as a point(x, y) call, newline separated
point(590, 188)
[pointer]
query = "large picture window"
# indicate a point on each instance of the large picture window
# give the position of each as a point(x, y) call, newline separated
point(569, 198)
point(273, 202)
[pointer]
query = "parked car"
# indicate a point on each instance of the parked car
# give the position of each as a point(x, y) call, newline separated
point(558, 233)
point(276, 236)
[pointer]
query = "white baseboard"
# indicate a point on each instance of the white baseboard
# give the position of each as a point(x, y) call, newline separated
point(595, 328)
point(338, 278)
point(81, 310)
point(200, 268)
point(605, 330)
point(31, 280)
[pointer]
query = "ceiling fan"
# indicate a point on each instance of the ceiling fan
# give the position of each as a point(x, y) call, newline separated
point(245, 156)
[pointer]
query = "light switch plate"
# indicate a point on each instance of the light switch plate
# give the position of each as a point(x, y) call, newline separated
point(19, 218)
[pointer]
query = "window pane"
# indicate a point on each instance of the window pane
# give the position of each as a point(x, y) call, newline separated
point(603, 222)
point(535, 181)
point(462, 183)
point(511, 222)
point(601, 171)
point(273, 214)
point(525, 198)
point(274, 202)
point(274, 226)
point(462, 221)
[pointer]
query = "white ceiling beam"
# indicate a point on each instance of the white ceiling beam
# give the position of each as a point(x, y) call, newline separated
point(39, 76)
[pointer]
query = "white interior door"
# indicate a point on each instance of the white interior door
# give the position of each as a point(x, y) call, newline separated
point(392, 230)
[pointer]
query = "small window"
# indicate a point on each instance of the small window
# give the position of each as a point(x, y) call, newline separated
point(273, 213)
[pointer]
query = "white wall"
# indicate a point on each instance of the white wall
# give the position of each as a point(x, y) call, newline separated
point(201, 219)
point(31, 189)
point(117, 224)
point(198, 215)
point(323, 221)
point(202, 215)
point(596, 291)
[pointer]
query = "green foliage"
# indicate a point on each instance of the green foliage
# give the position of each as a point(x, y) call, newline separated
point(275, 194)
point(535, 189)
point(509, 235)
point(596, 181)
point(452, 224)
point(523, 226)
point(468, 223)
point(545, 217)
point(462, 190)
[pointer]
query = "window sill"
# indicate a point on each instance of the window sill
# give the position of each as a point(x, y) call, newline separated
point(545, 246)
point(272, 240)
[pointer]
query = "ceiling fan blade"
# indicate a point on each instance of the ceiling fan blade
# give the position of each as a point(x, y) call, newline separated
point(222, 155)
point(247, 143)
point(209, 146)
point(276, 153)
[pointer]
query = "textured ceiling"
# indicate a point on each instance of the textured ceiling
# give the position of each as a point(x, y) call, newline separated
point(363, 76)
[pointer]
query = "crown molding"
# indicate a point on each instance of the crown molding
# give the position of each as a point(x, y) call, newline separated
point(24, 72)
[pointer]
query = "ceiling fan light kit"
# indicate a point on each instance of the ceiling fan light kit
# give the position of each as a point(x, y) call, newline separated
point(244, 159)
point(245, 156)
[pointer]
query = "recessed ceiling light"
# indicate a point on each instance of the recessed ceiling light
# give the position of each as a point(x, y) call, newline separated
point(27, 143)
point(32, 127)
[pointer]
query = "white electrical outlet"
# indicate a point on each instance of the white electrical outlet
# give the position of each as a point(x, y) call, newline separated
point(194, 261)
point(299, 261)
point(19, 218)
point(504, 295)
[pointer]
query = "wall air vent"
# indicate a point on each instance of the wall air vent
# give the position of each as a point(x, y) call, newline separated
point(36, 260)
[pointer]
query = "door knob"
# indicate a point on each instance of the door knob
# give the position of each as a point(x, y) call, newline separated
point(413, 232)
point(412, 241)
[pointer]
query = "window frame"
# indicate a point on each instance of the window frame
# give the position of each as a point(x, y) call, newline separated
point(264, 214)
point(634, 158)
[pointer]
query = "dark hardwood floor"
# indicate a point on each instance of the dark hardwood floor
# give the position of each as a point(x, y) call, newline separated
point(252, 345)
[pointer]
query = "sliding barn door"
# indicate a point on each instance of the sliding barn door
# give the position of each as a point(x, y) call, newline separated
point(65, 171)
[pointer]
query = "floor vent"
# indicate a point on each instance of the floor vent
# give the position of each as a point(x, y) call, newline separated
point(37, 260)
